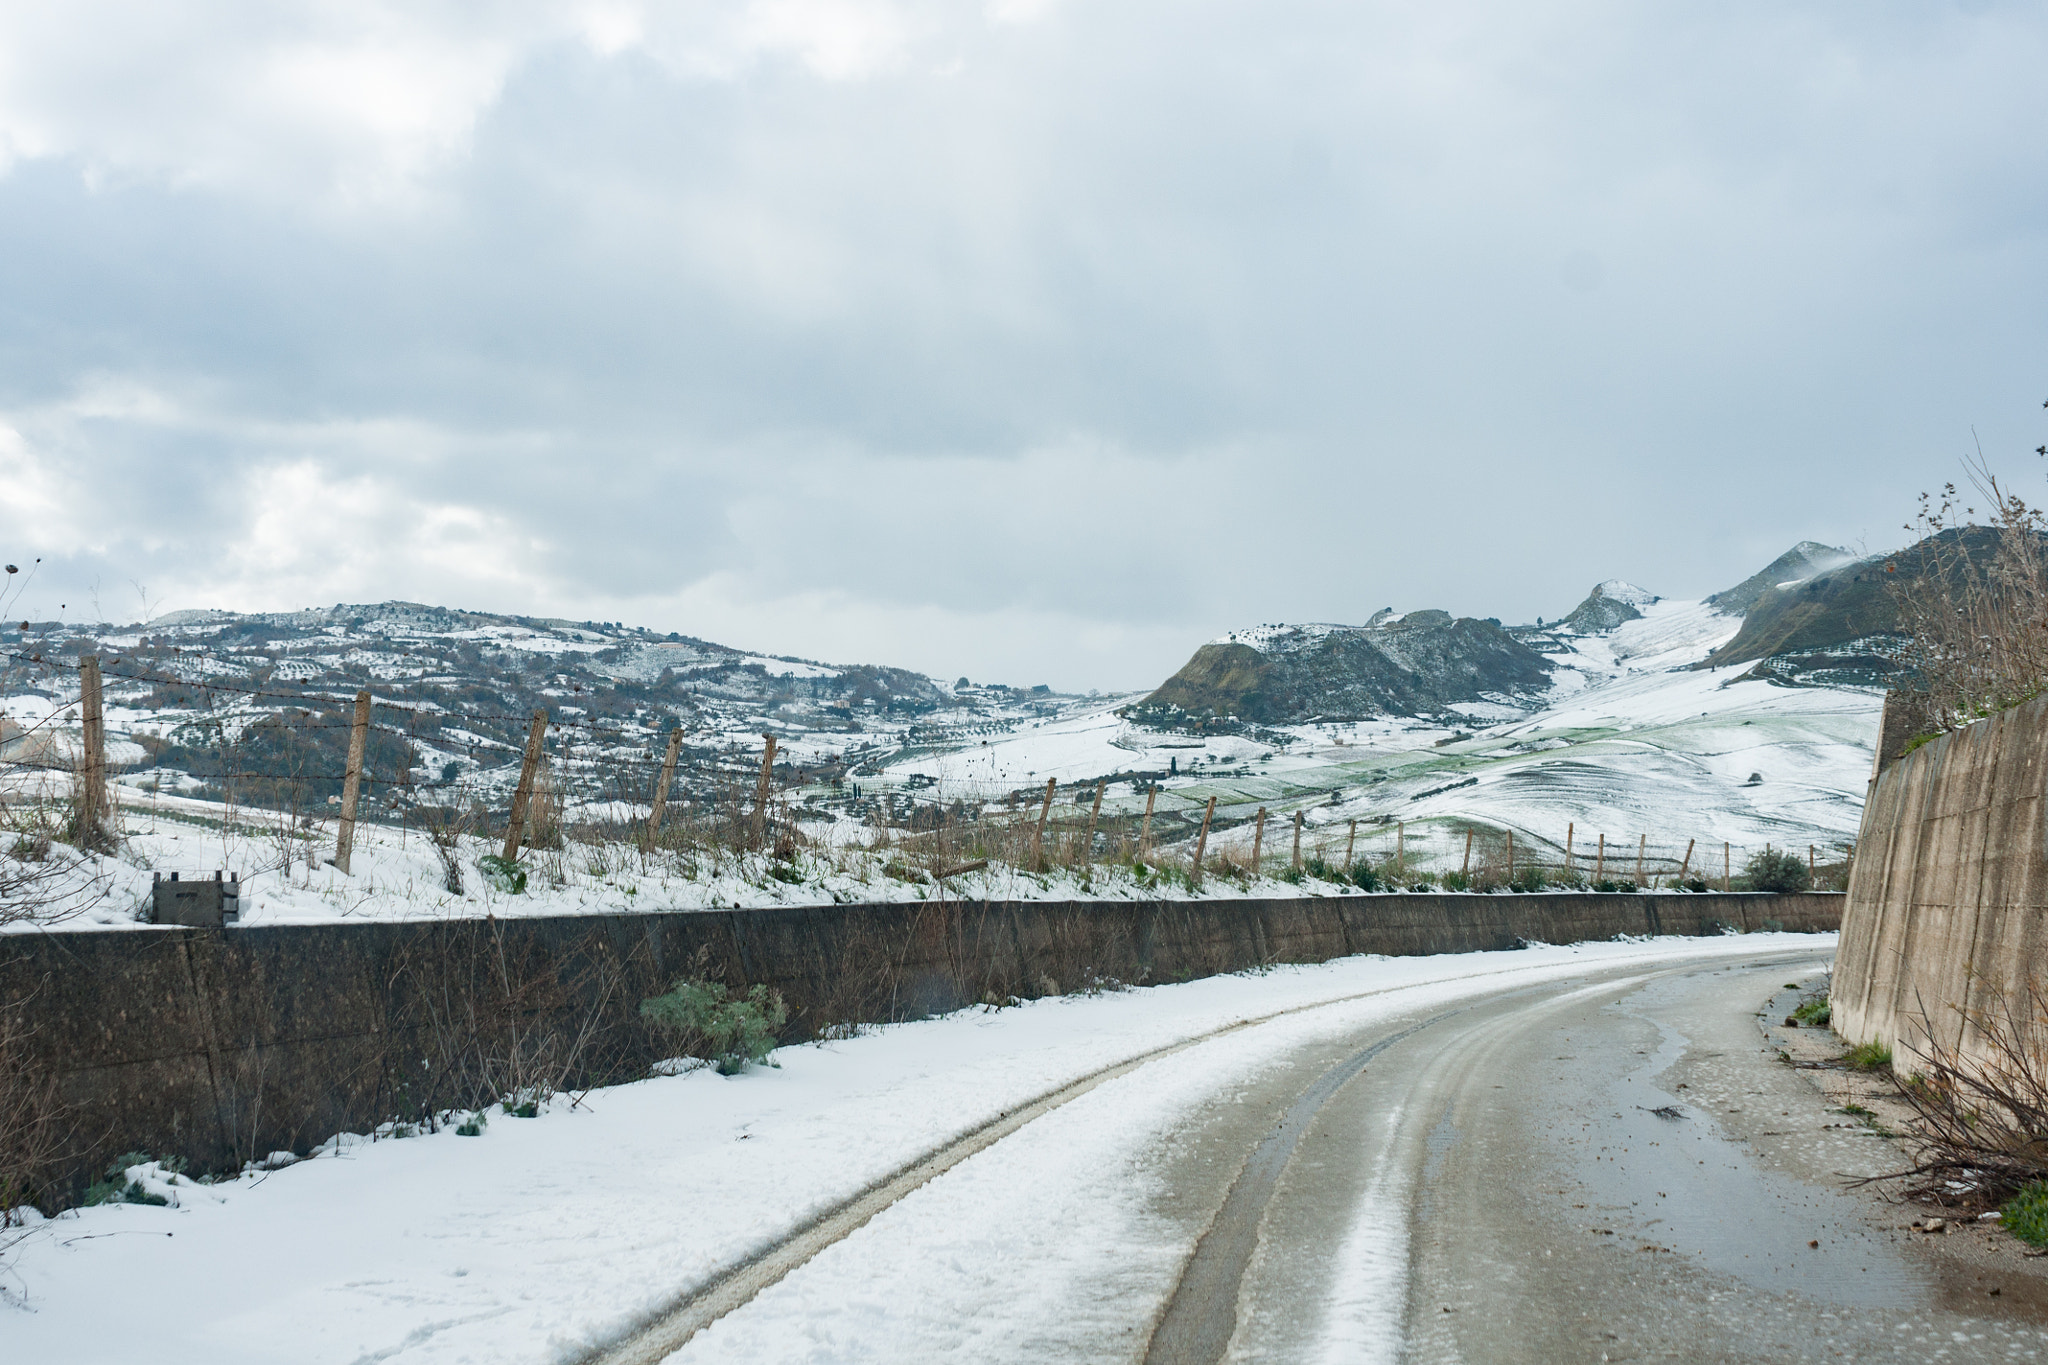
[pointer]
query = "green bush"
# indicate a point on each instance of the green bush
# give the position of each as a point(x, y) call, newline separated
point(1528, 881)
point(1457, 881)
point(1609, 884)
point(1322, 871)
point(505, 876)
point(1815, 1012)
point(736, 1030)
point(1772, 870)
point(2025, 1215)
point(117, 1188)
point(1869, 1056)
point(1364, 877)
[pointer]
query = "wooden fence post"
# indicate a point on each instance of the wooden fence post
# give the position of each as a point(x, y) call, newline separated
point(668, 776)
point(1145, 830)
point(352, 782)
point(1642, 848)
point(1511, 855)
point(1094, 815)
point(1202, 842)
point(1038, 842)
point(1465, 869)
point(1600, 862)
point(523, 794)
point(761, 790)
point(92, 777)
point(1297, 841)
point(1724, 865)
point(1569, 830)
point(1350, 843)
point(1809, 864)
point(1401, 845)
point(1687, 862)
point(1258, 840)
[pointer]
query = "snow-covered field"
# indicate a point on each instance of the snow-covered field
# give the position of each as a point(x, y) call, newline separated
point(544, 1237)
point(397, 874)
point(1631, 741)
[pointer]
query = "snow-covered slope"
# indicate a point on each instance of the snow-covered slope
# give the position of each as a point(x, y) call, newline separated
point(1630, 741)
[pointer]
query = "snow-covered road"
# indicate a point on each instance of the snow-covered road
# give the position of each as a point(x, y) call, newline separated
point(546, 1239)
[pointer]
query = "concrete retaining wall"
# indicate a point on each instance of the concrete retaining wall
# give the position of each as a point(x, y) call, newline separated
point(1947, 907)
point(224, 1045)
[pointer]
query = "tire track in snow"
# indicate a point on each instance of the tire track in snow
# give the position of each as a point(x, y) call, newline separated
point(698, 1308)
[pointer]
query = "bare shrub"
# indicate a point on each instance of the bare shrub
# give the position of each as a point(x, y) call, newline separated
point(1972, 600)
point(497, 1021)
point(34, 1139)
point(1981, 1116)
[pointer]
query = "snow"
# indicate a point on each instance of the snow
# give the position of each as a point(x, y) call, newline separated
point(1630, 740)
point(545, 1237)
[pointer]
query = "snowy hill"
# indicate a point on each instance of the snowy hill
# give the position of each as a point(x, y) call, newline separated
point(1632, 733)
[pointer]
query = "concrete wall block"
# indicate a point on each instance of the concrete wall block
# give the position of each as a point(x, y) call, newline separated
point(1958, 913)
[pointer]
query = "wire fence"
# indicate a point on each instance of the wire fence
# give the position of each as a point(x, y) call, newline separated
point(601, 780)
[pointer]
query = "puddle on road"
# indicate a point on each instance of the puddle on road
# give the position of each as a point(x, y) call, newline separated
point(1695, 1188)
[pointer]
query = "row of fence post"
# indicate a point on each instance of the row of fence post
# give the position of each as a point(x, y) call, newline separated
point(93, 801)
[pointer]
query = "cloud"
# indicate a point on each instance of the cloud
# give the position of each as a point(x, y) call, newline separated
point(996, 328)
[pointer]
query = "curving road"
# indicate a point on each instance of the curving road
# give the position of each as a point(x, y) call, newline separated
point(1608, 1165)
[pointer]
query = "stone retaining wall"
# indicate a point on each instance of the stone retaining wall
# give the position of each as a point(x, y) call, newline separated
point(224, 1045)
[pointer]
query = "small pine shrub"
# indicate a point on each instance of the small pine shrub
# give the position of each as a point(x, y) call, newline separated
point(1772, 870)
point(737, 1030)
point(504, 876)
point(2025, 1215)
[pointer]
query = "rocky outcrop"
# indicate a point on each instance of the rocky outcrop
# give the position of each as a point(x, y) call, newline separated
point(1415, 664)
point(1607, 606)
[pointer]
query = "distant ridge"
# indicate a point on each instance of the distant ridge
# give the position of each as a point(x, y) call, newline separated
point(1802, 561)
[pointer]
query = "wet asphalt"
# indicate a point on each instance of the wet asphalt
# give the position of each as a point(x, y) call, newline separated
point(1593, 1171)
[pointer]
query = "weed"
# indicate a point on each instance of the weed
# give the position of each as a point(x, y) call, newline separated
point(2025, 1215)
point(737, 1030)
point(1872, 1056)
point(505, 876)
point(474, 1125)
point(1457, 881)
point(1364, 877)
point(117, 1188)
point(1815, 1012)
point(1858, 1111)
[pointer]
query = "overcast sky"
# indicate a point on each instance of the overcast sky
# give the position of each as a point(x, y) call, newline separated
point(1027, 340)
